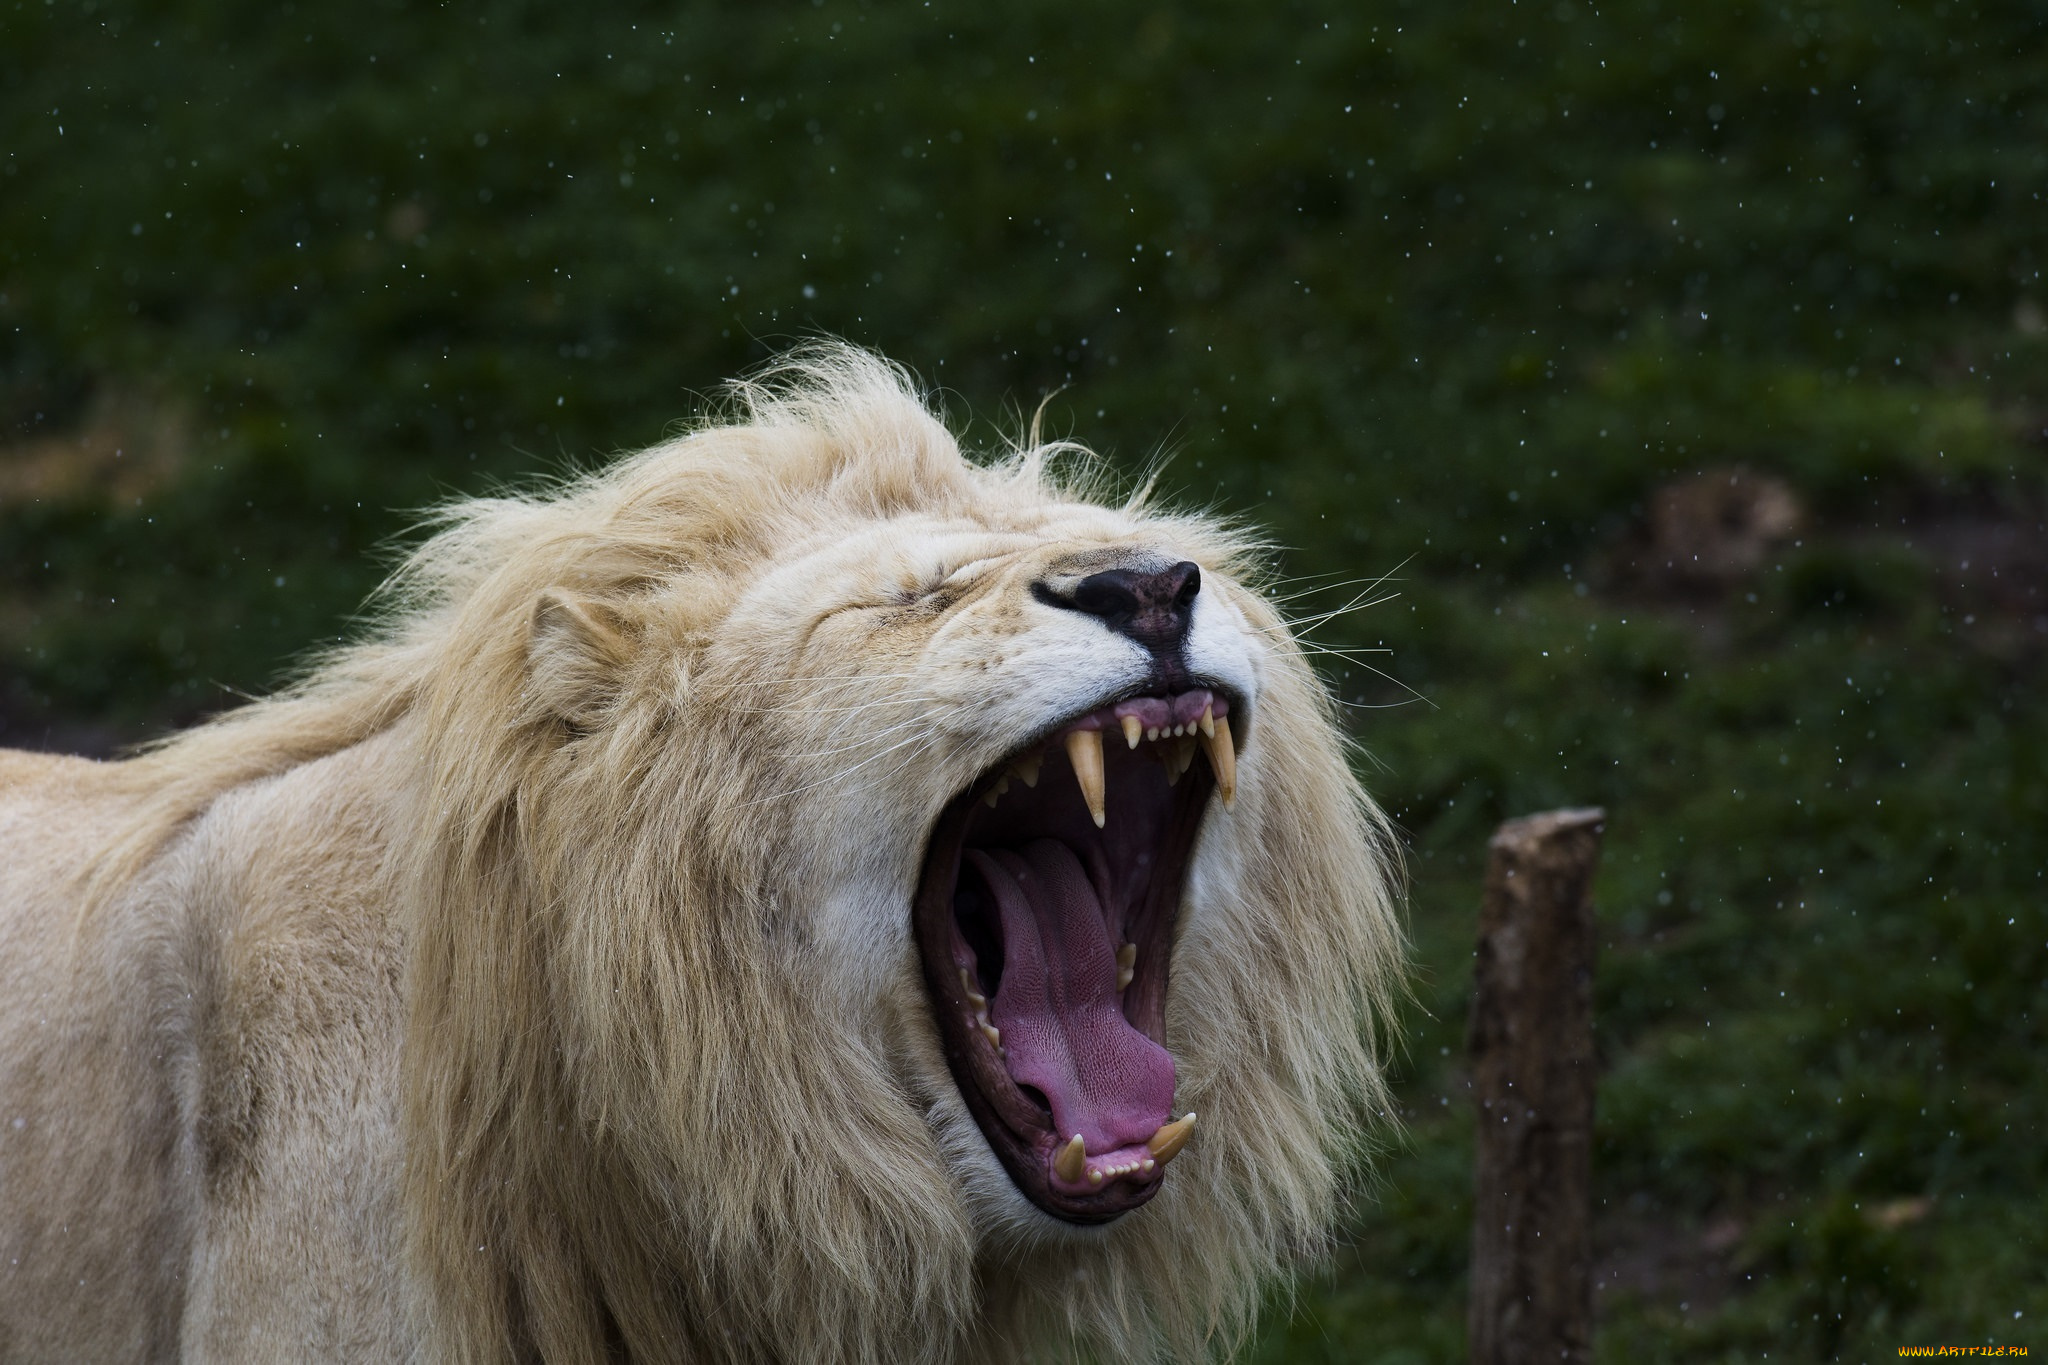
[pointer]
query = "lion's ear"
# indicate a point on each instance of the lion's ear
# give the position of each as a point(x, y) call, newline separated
point(574, 656)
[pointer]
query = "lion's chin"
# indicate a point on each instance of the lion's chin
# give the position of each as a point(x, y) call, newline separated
point(1045, 918)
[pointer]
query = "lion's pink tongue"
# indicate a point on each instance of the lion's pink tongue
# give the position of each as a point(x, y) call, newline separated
point(1063, 1030)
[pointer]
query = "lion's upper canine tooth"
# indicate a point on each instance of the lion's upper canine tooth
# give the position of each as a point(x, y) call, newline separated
point(1084, 751)
point(1208, 721)
point(1165, 1144)
point(1222, 758)
point(1072, 1162)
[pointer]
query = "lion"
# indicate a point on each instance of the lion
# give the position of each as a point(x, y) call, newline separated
point(794, 894)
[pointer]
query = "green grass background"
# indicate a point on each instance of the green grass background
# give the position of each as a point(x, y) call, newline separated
point(1439, 291)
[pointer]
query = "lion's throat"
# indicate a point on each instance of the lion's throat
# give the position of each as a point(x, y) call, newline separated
point(1063, 1026)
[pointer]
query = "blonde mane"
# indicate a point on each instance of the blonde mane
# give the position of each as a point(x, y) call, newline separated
point(638, 1123)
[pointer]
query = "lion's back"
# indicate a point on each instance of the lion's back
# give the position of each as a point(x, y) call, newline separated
point(197, 1075)
point(76, 1277)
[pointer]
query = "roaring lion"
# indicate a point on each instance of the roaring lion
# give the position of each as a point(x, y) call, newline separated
point(793, 895)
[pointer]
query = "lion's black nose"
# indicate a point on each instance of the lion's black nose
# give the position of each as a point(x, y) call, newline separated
point(1151, 608)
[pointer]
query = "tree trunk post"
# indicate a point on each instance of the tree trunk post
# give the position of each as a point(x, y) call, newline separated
point(1533, 1076)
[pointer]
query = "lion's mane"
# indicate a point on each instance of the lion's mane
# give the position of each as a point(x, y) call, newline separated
point(651, 1107)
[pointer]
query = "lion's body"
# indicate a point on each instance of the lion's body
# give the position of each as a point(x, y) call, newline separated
point(199, 1117)
point(537, 983)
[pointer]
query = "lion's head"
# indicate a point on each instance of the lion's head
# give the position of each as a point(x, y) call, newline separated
point(868, 905)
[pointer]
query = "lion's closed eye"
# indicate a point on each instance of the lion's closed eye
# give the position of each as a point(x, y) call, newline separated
point(935, 589)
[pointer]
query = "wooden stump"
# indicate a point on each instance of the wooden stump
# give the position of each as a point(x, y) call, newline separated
point(1533, 1075)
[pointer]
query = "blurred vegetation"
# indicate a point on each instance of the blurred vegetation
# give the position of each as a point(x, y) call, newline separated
point(1679, 364)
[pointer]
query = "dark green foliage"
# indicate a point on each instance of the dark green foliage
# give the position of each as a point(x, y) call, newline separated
point(1452, 293)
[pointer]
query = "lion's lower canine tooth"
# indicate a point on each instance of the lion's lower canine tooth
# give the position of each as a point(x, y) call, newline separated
point(1084, 751)
point(1171, 1137)
point(1133, 731)
point(1072, 1162)
point(1223, 758)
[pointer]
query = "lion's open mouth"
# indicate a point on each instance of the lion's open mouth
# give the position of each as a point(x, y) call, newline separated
point(1045, 917)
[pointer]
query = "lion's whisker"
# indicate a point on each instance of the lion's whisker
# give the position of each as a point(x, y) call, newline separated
point(840, 775)
point(1357, 603)
point(1309, 623)
point(1277, 598)
point(865, 739)
point(1382, 673)
point(798, 708)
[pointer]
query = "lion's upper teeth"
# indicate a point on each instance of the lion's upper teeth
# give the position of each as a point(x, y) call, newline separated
point(1132, 730)
point(1084, 751)
point(1026, 768)
point(1222, 758)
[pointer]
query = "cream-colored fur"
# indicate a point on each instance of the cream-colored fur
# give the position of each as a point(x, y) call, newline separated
point(536, 979)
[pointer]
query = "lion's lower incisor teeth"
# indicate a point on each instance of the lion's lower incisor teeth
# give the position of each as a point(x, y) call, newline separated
point(1165, 1144)
point(1223, 759)
point(1072, 1162)
point(1084, 751)
point(1178, 755)
point(1133, 731)
point(994, 1036)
